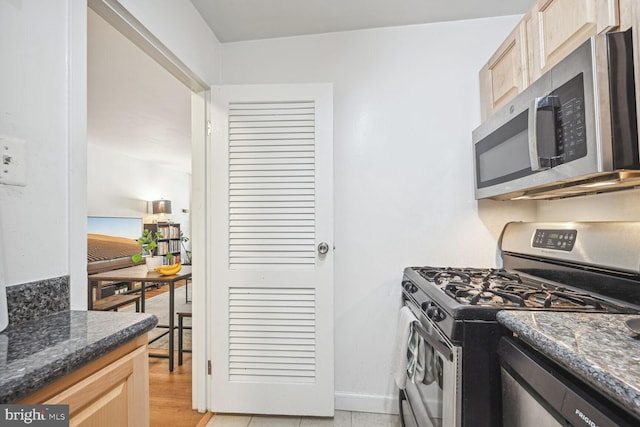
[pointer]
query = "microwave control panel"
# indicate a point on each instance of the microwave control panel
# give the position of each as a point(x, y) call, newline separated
point(561, 240)
point(570, 128)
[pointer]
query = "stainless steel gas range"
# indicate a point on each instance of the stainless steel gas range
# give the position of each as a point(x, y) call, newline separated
point(453, 370)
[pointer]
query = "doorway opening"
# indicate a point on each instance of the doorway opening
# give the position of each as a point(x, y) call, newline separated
point(142, 104)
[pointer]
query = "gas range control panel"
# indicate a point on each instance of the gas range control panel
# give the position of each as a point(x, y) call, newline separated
point(561, 240)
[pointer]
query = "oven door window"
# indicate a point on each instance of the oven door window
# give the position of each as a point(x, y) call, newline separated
point(426, 386)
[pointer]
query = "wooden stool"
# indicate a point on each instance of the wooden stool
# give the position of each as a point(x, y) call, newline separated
point(181, 328)
point(114, 301)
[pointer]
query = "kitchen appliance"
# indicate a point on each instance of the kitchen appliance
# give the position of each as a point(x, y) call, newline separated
point(579, 267)
point(572, 132)
point(538, 392)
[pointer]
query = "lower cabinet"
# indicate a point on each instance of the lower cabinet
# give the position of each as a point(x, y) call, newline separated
point(111, 391)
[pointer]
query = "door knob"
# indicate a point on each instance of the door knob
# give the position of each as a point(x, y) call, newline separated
point(323, 248)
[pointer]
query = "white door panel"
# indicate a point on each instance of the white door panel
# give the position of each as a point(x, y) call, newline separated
point(272, 204)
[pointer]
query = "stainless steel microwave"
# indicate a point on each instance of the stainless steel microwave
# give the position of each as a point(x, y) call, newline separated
point(573, 131)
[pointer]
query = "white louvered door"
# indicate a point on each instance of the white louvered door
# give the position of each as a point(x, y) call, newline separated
point(272, 204)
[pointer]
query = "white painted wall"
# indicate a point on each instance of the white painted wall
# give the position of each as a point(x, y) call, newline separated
point(121, 186)
point(34, 105)
point(43, 100)
point(618, 206)
point(405, 102)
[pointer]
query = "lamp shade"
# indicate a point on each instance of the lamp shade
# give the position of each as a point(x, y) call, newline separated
point(161, 206)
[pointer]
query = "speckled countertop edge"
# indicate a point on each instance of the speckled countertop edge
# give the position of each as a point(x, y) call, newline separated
point(75, 339)
point(607, 358)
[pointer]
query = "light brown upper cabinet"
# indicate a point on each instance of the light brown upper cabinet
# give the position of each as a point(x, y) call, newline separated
point(505, 74)
point(560, 26)
point(548, 33)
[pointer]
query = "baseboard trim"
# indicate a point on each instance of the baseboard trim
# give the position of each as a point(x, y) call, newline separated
point(379, 404)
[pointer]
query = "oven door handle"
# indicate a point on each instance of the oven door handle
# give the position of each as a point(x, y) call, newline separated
point(433, 341)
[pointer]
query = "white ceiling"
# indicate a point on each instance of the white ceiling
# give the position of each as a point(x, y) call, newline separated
point(238, 20)
point(137, 108)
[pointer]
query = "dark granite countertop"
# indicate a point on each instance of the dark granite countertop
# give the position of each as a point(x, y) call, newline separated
point(36, 353)
point(597, 348)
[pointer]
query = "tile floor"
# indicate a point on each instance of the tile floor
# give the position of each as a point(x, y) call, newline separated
point(341, 419)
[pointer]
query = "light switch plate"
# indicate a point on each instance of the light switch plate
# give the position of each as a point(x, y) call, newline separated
point(13, 161)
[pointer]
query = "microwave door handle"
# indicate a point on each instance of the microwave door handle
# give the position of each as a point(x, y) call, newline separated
point(542, 116)
point(533, 137)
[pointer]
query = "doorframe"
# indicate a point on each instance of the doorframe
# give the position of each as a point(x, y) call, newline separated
point(123, 21)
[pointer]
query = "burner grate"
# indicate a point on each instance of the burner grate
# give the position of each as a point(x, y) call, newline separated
point(501, 288)
point(484, 294)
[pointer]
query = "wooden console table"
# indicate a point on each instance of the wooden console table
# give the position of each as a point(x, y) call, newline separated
point(141, 274)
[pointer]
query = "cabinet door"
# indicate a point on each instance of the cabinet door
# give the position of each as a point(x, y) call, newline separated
point(627, 14)
point(116, 395)
point(505, 74)
point(560, 26)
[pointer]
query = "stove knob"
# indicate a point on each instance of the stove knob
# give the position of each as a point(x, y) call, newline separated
point(435, 314)
point(409, 287)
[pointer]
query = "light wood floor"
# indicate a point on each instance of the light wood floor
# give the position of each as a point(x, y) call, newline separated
point(170, 395)
point(170, 392)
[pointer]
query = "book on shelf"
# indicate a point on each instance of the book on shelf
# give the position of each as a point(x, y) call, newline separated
point(174, 260)
point(162, 248)
point(174, 231)
point(164, 230)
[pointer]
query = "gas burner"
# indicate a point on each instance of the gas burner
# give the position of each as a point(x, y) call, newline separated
point(480, 276)
point(501, 277)
point(449, 276)
point(427, 272)
point(483, 294)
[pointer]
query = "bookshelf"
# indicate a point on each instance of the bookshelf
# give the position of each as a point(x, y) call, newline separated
point(171, 242)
